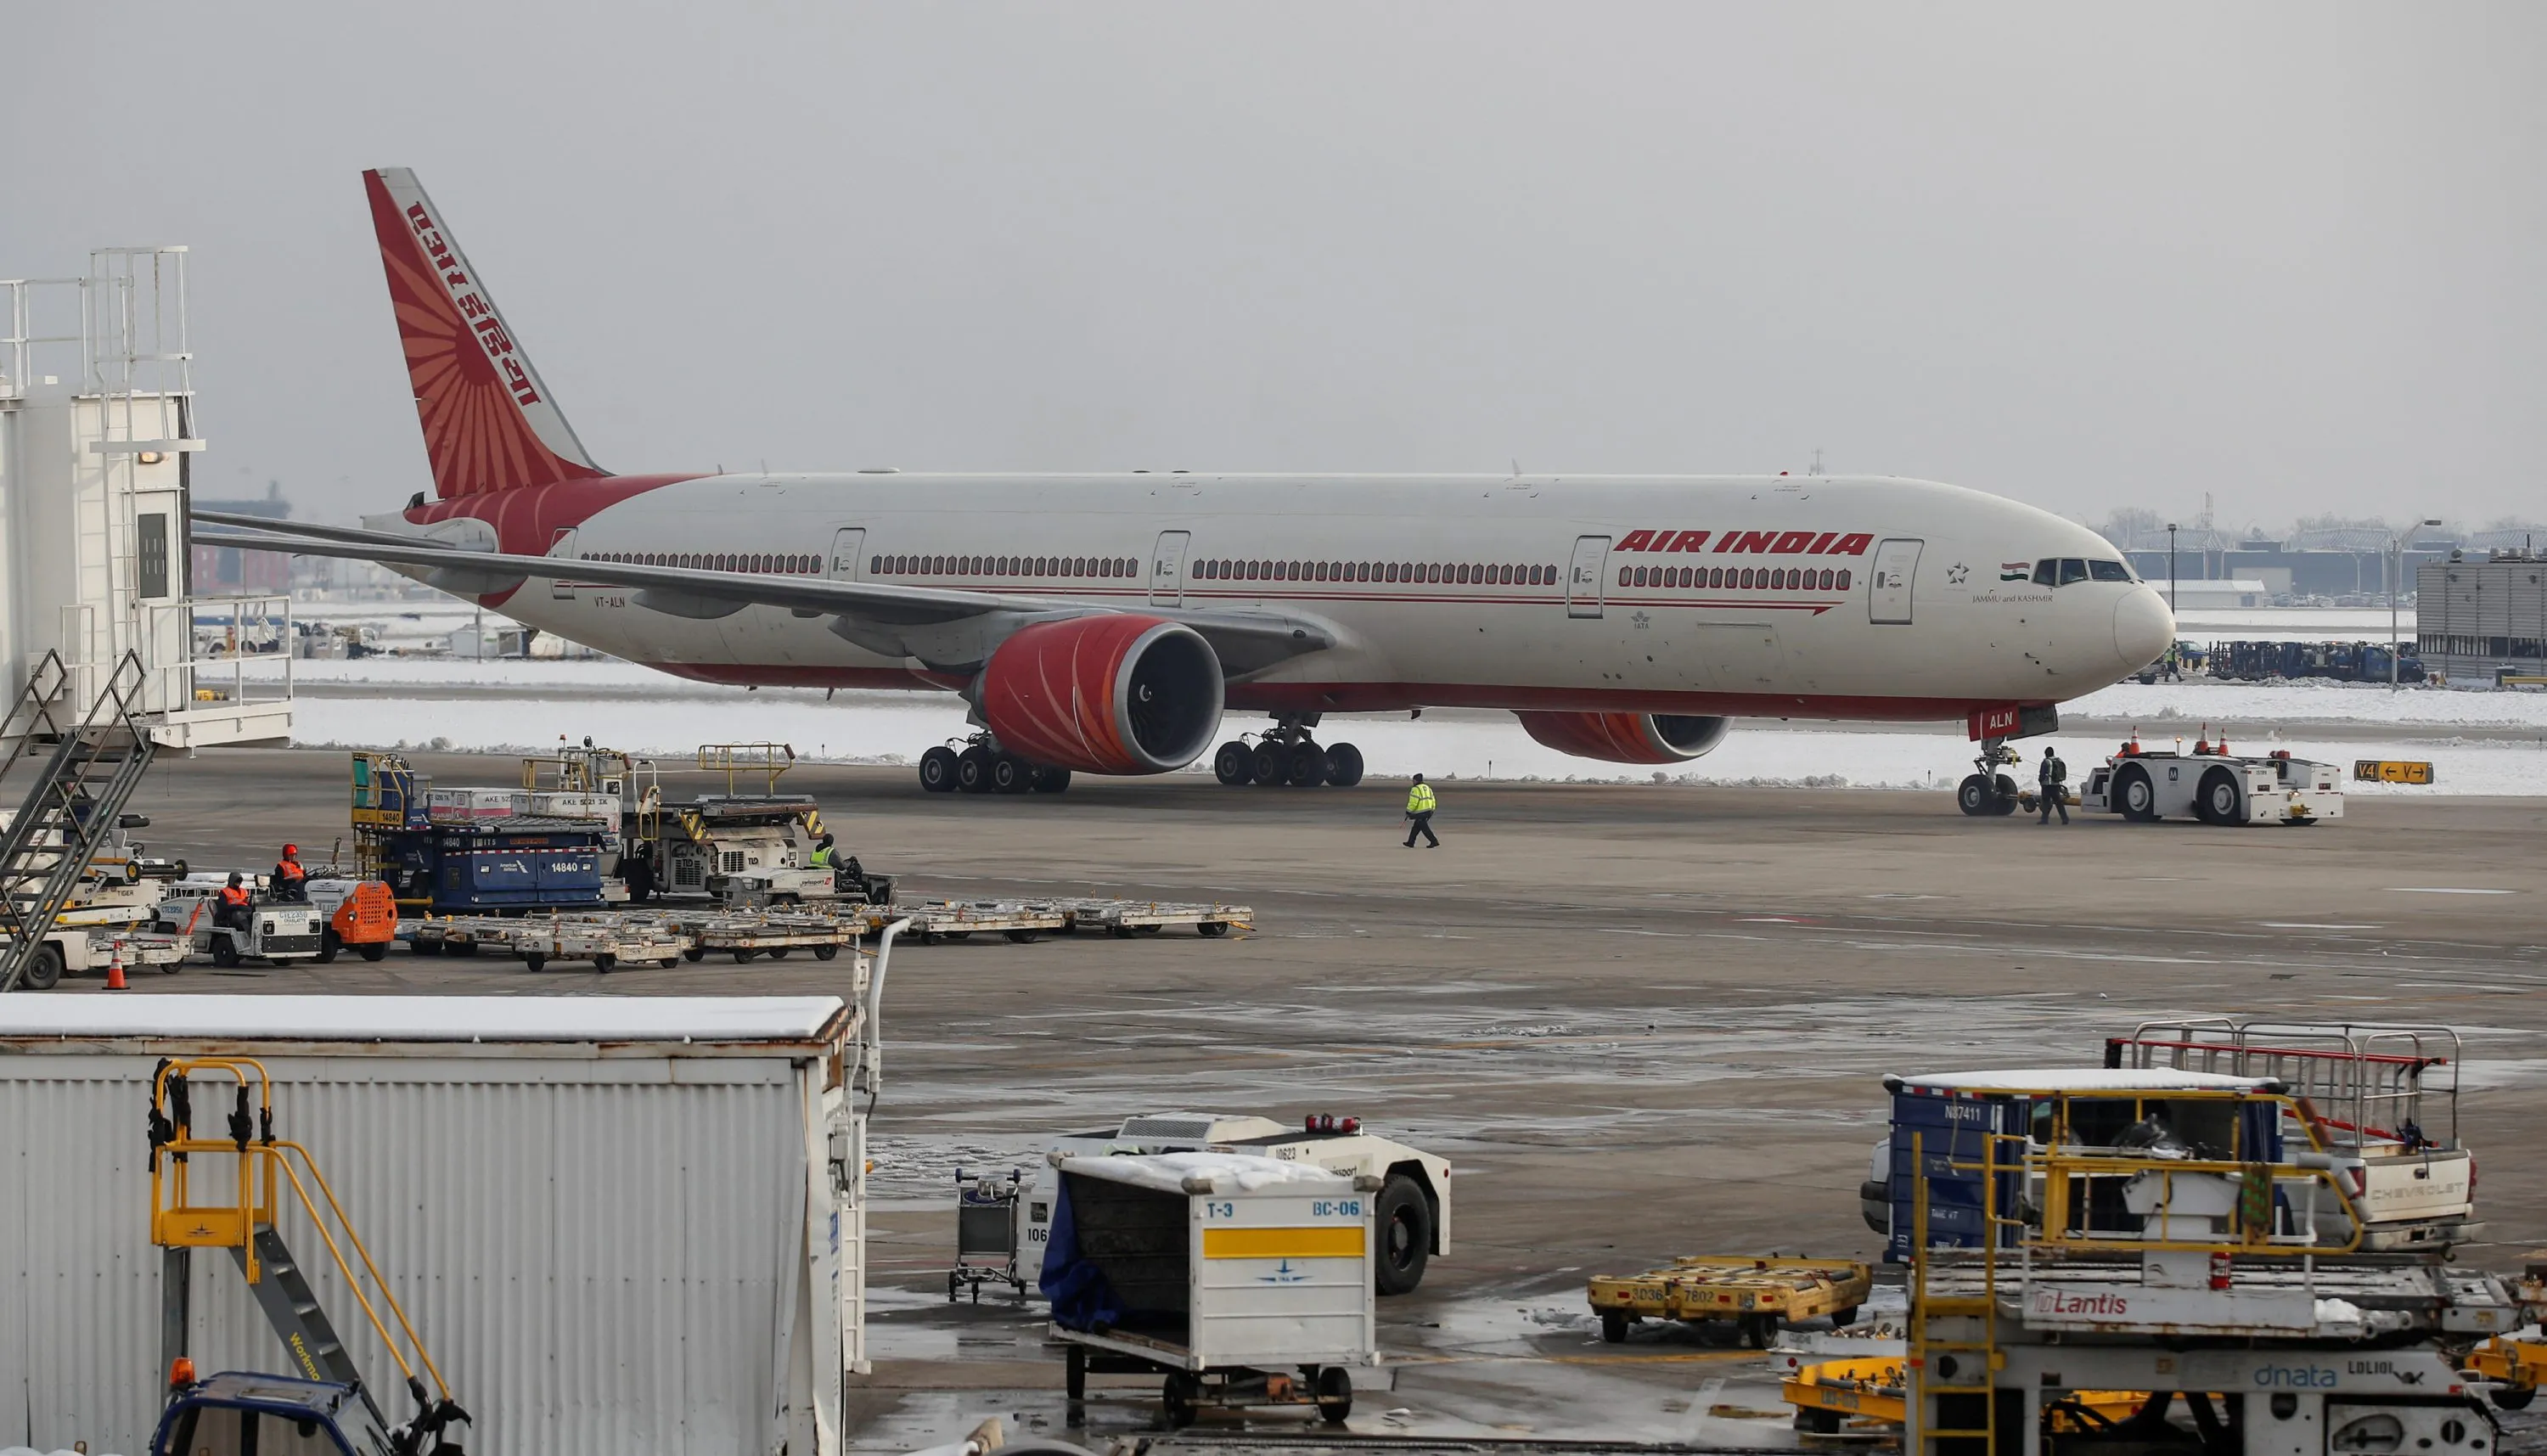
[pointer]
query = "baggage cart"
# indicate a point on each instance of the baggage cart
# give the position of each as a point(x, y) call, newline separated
point(936, 920)
point(986, 1232)
point(1127, 917)
point(776, 934)
point(1756, 1295)
point(1241, 1280)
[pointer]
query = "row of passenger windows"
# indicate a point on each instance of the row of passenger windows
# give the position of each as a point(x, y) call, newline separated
point(2051, 571)
point(1456, 574)
point(1736, 578)
point(2062, 570)
point(1115, 567)
point(782, 564)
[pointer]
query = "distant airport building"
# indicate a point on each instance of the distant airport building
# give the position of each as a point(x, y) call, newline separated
point(2479, 620)
point(225, 571)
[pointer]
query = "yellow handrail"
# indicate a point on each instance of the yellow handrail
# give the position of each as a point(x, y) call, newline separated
point(769, 759)
point(180, 1224)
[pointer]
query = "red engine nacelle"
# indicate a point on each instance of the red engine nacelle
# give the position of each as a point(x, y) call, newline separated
point(1626, 737)
point(1103, 695)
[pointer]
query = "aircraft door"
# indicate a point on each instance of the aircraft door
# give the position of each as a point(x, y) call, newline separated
point(562, 546)
point(1168, 570)
point(1887, 601)
point(849, 545)
point(1583, 579)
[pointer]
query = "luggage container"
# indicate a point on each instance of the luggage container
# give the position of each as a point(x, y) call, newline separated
point(632, 1224)
point(467, 806)
point(1242, 1280)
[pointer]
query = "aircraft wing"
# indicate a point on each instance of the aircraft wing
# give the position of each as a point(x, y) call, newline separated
point(946, 628)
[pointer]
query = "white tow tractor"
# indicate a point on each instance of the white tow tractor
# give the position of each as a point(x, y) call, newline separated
point(1413, 1207)
point(276, 931)
point(108, 915)
point(2213, 785)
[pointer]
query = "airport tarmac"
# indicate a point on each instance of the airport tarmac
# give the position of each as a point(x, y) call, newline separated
point(1640, 1022)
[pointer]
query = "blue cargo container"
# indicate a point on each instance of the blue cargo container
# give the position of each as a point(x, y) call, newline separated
point(515, 864)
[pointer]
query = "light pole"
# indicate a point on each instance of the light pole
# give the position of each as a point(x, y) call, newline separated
point(2397, 568)
point(2170, 567)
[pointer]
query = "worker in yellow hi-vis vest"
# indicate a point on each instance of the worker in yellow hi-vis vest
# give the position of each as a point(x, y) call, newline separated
point(1420, 804)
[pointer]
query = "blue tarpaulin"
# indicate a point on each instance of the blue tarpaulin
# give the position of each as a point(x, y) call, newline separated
point(1078, 1290)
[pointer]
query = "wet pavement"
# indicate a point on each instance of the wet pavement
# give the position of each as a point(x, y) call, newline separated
point(1639, 1023)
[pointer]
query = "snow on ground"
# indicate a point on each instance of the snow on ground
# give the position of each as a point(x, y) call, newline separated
point(878, 727)
point(2291, 624)
point(2311, 700)
point(2189, 703)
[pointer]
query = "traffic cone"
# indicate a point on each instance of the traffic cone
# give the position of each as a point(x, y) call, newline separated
point(114, 970)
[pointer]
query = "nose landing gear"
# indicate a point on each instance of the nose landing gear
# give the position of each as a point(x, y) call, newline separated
point(1285, 754)
point(1987, 793)
point(981, 767)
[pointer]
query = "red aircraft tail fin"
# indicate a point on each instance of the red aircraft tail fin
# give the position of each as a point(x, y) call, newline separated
point(489, 423)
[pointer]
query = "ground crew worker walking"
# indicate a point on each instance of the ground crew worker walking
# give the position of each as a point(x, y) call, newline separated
point(1420, 804)
point(289, 883)
point(2052, 787)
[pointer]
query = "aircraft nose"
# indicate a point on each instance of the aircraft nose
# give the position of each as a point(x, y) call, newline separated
point(2142, 628)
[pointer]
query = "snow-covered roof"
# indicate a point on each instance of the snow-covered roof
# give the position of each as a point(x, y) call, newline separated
point(1226, 1172)
point(489, 1019)
point(2083, 1079)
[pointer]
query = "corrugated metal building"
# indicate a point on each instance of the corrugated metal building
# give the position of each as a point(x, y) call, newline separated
point(2473, 619)
point(620, 1223)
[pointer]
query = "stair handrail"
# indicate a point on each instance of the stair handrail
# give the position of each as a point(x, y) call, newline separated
point(172, 1132)
point(60, 784)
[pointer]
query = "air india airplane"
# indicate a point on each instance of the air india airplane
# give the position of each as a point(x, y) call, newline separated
point(1106, 623)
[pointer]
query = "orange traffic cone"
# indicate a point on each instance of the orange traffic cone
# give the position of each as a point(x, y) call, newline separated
point(114, 970)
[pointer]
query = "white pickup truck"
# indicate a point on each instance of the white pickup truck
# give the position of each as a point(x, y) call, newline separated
point(1413, 1218)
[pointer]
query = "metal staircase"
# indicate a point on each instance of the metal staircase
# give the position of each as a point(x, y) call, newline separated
point(73, 803)
point(293, 1309)
point(1955, 1350)
point(239, 1213)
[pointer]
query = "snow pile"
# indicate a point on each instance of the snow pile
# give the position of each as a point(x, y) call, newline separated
point(2310, 699)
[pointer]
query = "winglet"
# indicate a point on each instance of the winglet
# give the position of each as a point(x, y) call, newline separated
point(489, 421)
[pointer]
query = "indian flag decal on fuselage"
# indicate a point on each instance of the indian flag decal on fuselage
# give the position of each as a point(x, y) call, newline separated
point(2015, 570)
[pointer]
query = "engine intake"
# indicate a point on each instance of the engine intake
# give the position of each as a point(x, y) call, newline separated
point(1103, 695)
point(1626, 737)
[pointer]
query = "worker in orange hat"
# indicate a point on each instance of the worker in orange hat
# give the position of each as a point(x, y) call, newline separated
point(289, 883)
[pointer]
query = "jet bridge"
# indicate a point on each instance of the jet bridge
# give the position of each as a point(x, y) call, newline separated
point(98, 438)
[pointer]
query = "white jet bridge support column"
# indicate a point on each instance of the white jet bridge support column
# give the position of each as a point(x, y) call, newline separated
point(97, 441)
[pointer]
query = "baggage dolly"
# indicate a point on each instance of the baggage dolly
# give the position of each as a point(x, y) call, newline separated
point(1756, 1295)
point(986, 1233)
point(1240, 1280)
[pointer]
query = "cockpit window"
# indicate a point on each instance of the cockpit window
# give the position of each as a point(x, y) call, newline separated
point(2062, 570)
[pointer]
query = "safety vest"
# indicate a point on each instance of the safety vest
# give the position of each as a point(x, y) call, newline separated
point(822, 858)
point(291, 871)
point(234, 897)
point(1419, 799)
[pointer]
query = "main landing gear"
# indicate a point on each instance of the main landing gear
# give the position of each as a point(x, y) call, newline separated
point(1987, 793)
point(1284, 755)
point(979, 767)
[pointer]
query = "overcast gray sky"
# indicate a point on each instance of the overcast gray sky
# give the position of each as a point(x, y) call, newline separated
point(2289, 255)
